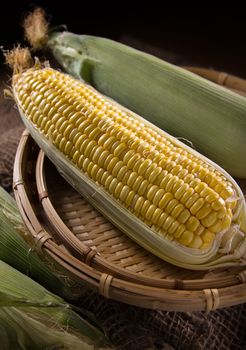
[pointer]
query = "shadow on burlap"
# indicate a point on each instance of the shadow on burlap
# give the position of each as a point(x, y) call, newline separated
point(128, 327)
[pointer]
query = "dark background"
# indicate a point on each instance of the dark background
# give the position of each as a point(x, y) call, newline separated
point(203, 36)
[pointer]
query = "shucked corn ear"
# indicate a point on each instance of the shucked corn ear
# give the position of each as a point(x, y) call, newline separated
point(177, 101)
point(163, 194)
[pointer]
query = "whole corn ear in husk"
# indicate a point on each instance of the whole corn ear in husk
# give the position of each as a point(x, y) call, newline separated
point(33, 318)
point(170, 199)
point(176, 100)
point(15, 251)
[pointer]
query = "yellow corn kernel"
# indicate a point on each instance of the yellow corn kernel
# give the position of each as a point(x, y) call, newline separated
point(192, 224)
point(196, 242)
point(179, 231)
point(165, 200)
point(186, 238)
point(208, 236)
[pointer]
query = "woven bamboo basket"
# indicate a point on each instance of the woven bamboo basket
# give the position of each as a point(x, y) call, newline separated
point(91, 250)
point(158, 284)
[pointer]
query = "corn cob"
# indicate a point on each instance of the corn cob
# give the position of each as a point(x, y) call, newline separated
point(179, 102)
point(163, 194)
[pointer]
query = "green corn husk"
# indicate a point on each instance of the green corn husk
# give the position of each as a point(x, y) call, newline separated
point(180, 102)
point(33, 318)
point(16, 252)
point(176, 100)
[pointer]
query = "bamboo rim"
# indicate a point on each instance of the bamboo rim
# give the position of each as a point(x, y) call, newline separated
point(229, 81)
point(113, 287)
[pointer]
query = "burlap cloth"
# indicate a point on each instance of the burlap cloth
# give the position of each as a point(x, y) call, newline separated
point(129, 327)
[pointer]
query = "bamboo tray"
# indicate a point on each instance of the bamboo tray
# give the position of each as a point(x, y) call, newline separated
point(67, 229)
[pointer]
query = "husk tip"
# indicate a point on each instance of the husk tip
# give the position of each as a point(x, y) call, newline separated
point(19, 59)
point(36, 28)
